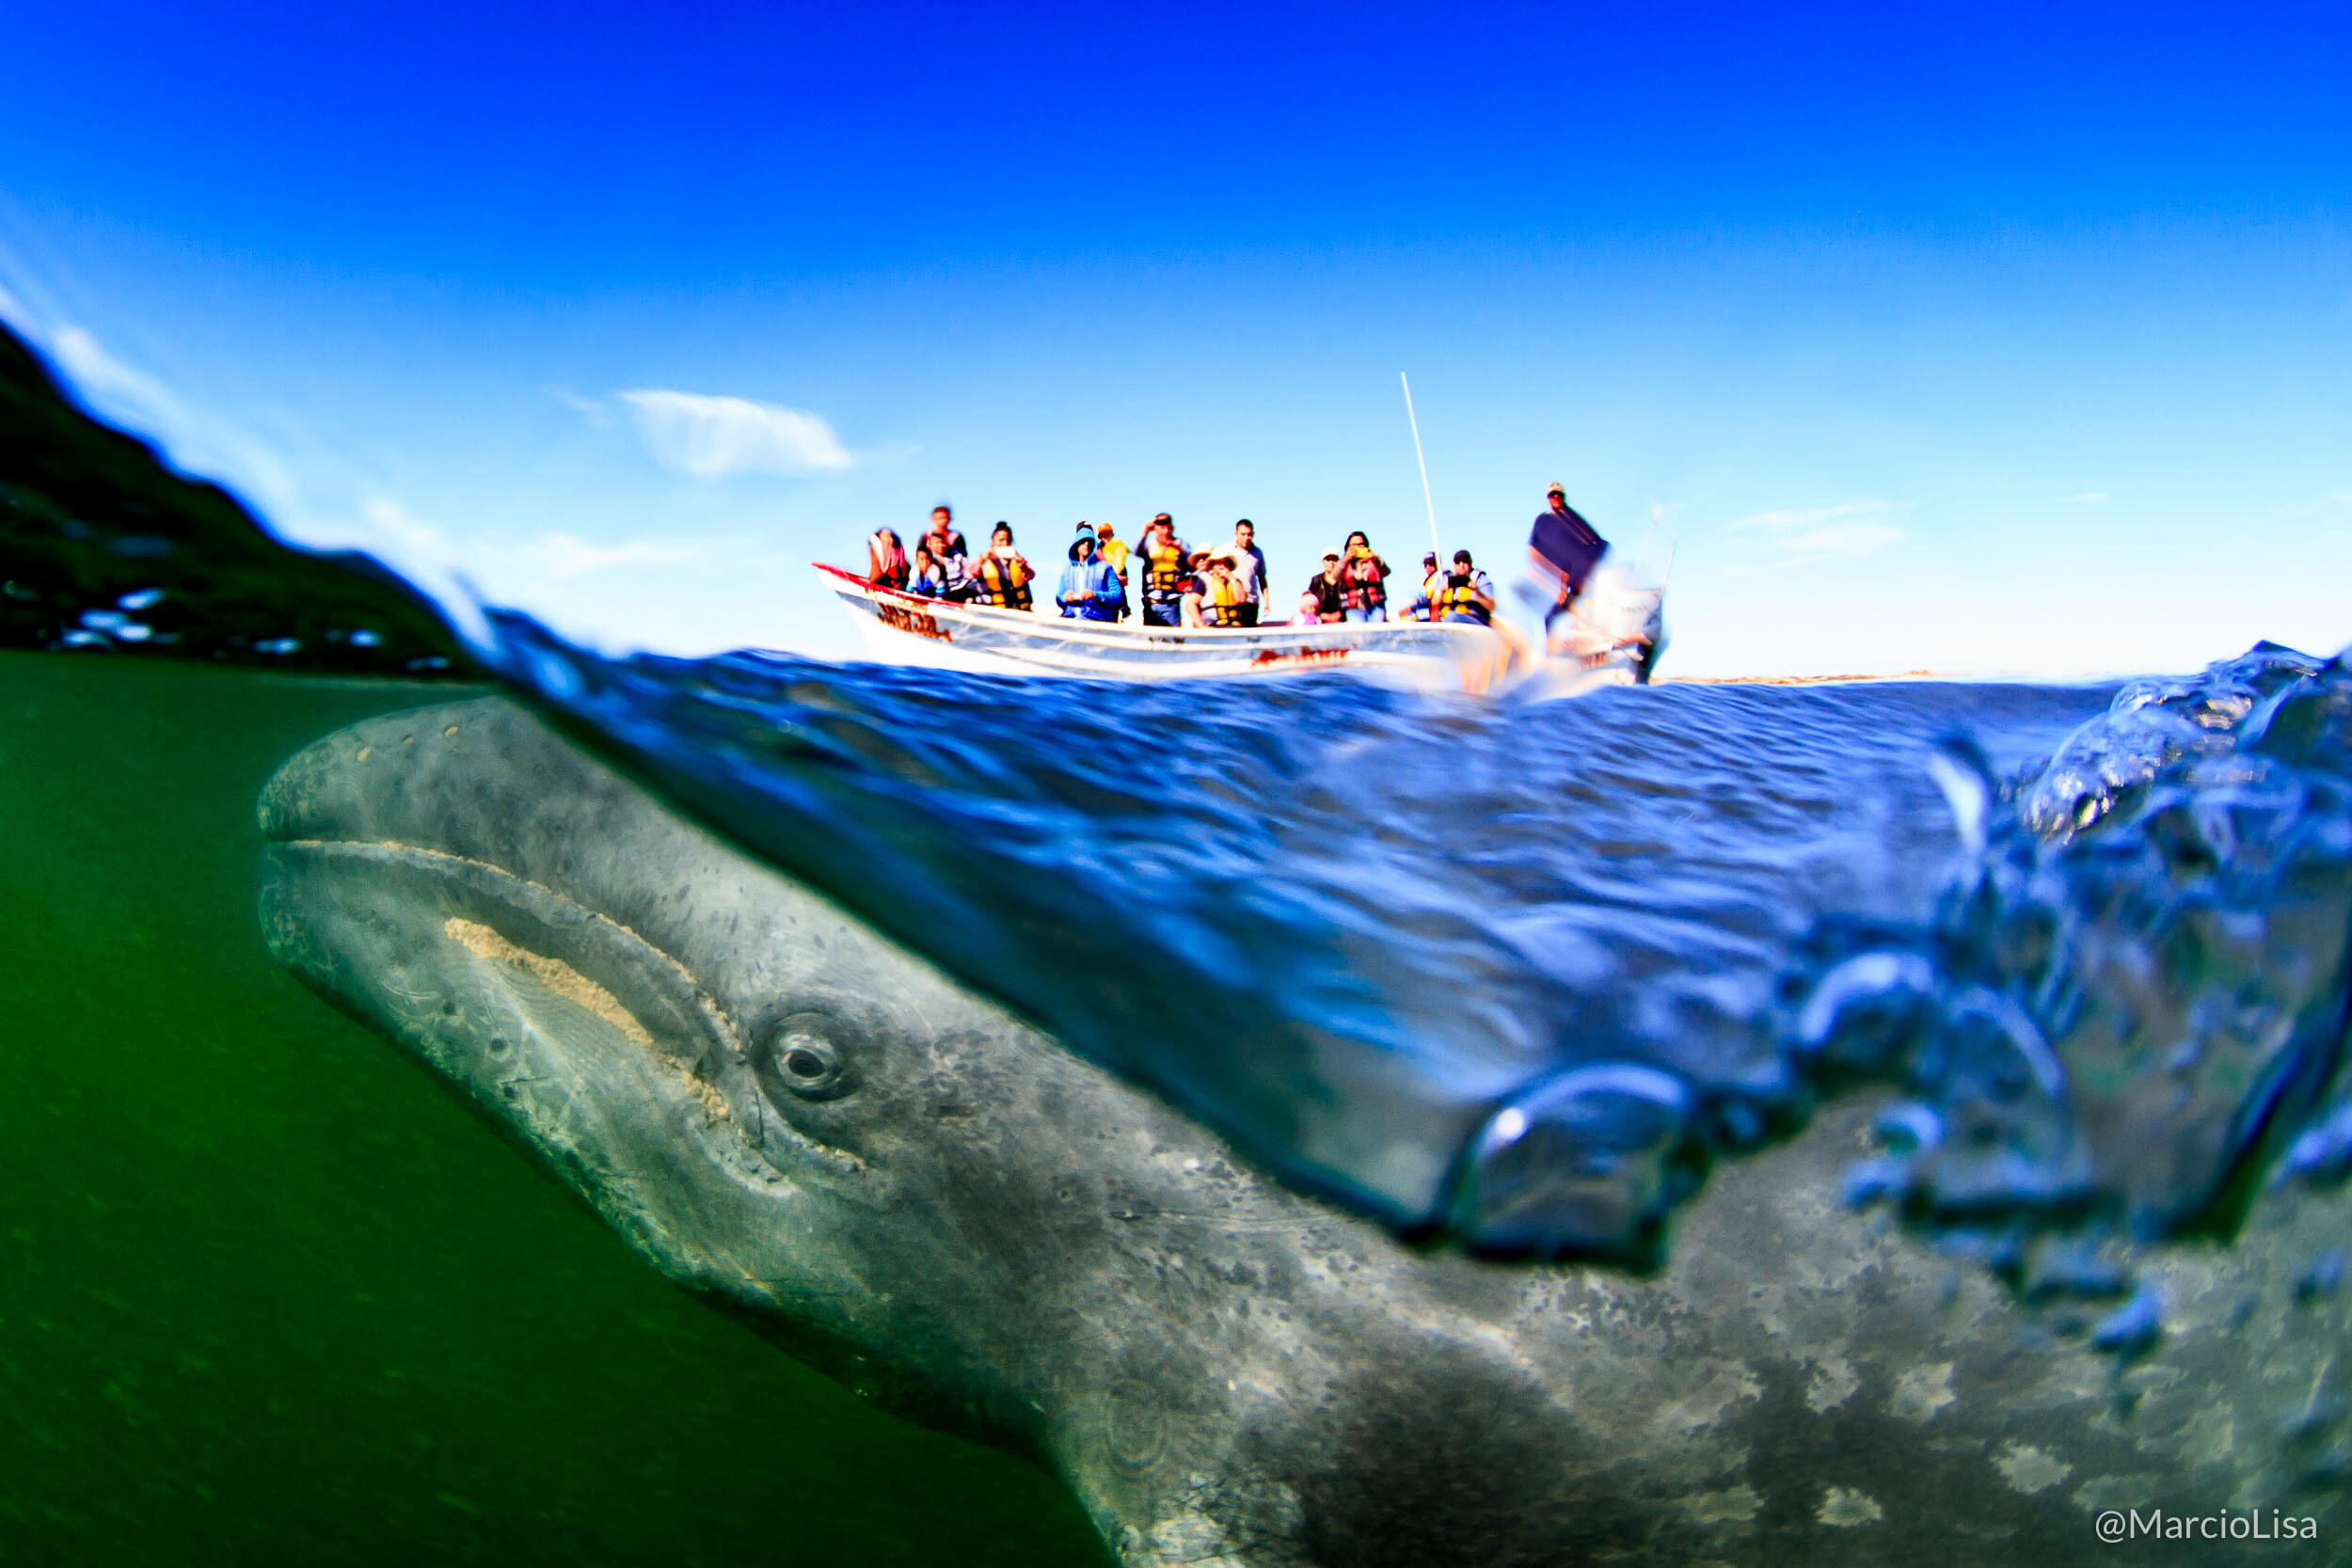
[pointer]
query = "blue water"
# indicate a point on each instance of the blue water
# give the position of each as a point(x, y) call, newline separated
point(1519, 975)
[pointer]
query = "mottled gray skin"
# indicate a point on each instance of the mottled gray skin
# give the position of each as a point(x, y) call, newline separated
point(971, 1224)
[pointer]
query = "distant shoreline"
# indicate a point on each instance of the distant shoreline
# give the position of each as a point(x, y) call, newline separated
point(1799, 680)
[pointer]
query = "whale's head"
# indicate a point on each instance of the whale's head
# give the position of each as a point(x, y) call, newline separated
point(771, 1103)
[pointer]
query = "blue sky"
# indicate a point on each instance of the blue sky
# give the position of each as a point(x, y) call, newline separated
point(2004, 340)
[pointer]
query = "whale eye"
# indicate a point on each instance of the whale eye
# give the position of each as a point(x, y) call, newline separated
point(805, 1059)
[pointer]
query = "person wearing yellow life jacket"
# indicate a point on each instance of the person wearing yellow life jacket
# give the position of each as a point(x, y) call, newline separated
point(1466, 593)
point(1001, 578)
point(1114, 553)
point(1226, 600)
point(1167, 567)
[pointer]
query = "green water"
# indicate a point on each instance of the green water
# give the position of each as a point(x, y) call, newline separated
point(269, 1293)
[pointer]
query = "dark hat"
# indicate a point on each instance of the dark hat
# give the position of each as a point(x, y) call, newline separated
point(1087, 529)
point(1462, 558)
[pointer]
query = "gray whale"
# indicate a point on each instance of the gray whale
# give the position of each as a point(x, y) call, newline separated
point(916, 1191)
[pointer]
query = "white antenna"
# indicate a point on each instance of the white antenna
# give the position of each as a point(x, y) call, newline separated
point(1422, 461)
point(1674, 545)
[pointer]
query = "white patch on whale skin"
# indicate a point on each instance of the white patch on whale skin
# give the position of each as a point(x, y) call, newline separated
point(2028, 1470)
point(1832, 1384)
point(1845, 1507)
point(1736, 1505)
point(1729, 1384)
point(1922, 1391)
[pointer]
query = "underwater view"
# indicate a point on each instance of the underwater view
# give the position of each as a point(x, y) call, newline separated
point(272, 1295)
point(1223, 787)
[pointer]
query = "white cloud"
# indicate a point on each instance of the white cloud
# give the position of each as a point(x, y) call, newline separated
point(1847, 531)
point(594, 410)
point(2089, 497)
point(568, 557)
point(711, 437)
point(555, 554)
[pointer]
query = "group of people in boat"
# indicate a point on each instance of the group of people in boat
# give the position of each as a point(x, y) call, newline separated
point(1224, 585)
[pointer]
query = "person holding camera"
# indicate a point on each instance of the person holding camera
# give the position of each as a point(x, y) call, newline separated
point(1464, 593)
point(1167, 572)
point(1366, 579)
point(1002, 578)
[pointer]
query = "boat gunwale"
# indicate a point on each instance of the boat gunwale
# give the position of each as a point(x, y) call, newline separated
point(1112, 635)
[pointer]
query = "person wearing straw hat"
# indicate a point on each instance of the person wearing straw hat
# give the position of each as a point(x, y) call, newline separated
point(1224, 597)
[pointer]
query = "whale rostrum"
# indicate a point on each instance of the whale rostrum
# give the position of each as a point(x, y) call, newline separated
point(925, 1196)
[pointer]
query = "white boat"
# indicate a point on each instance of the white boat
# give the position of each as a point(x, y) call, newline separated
point(909, 628)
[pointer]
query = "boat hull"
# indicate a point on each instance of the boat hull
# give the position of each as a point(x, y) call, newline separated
point(905, 628)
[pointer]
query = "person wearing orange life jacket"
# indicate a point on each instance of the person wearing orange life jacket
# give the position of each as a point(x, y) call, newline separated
point(1226, 600)
point(1001, 578)
point(1366, 576)
point(1165, 561)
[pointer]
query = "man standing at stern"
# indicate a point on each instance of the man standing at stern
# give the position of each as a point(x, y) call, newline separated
point(1563, 549)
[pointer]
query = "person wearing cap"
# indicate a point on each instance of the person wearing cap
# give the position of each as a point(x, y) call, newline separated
point(1466, 595)
point(1167, 569)
point(1328, 589)
point(1113, 551)
point(1563, 549)
point(1419, 609)
point(1090, 590)
point(1248, 570)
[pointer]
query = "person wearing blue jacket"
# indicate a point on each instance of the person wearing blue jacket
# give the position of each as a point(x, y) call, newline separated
point(1090, 590)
